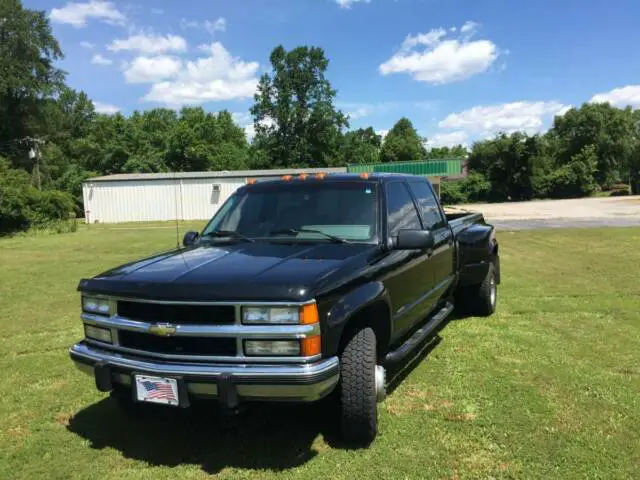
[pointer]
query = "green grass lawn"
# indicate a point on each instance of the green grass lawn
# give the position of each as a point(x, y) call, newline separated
point(548, 387)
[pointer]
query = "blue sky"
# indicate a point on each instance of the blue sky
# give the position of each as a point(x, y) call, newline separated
point(459, 69)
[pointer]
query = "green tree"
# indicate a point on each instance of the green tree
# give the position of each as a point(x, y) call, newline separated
point(28, 51)
point(576, 178)
point(505, 162)
point(457, 151)
point(295, 120)
point(403, 143)
point(205, 141)
point(360, 146)
point(611, 130)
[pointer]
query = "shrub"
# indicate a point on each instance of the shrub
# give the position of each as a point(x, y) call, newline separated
point(620, 192)
point(475, 187)
point(575, 179)
point(450, 193)
point(22, 206)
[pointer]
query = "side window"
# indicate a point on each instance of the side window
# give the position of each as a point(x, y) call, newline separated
point(401, 211)
point(428, 205)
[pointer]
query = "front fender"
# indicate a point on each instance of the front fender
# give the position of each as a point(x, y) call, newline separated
point(348, 306)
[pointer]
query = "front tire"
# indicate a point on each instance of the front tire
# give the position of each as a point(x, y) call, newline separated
point(358, 395)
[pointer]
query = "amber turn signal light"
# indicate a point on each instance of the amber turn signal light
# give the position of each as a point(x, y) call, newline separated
point(311, 346)
point(309, 314)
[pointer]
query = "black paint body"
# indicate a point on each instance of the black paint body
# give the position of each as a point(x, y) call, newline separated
point(348, 281)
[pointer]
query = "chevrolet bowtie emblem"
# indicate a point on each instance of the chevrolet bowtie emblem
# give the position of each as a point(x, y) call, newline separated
point(162, 329)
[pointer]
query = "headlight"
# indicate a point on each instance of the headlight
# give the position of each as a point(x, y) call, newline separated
point(96, 305)
point(269, 348)
point(303, 315)
point(97, 333)
point(274, 315)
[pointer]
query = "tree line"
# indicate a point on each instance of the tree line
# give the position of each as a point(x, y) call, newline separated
point(52, 138)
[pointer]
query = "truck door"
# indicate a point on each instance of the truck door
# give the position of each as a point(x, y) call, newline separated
point(408, 276)
point(441, 266)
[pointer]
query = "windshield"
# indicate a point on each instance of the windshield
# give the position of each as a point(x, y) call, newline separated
point(345, 210)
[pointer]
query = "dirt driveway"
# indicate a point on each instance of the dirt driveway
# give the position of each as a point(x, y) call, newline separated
point(583, 212)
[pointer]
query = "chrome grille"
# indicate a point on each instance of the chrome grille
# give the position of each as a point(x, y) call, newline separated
point(180, 314)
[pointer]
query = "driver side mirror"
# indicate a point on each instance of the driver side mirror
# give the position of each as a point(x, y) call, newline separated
point(414, 240)
point(190, 238)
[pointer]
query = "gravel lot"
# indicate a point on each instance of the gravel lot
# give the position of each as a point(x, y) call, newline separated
point(583, 212)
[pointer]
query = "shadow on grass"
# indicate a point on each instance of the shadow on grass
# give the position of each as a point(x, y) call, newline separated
point(265, 436)
point(396, 376)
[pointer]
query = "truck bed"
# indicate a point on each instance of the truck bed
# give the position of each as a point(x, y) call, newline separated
point(460, 220)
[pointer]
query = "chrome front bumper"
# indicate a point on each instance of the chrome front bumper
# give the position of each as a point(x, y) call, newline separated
point(289, 382)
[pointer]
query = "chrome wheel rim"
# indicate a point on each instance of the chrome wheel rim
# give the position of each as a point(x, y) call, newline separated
point(492, 296)
point(381, 380)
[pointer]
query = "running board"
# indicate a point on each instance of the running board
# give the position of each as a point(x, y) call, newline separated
point(417, 338)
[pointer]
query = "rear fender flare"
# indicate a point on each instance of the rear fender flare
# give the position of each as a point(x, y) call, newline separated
point(478, 249)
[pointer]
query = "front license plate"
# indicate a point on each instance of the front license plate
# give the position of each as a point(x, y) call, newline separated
point(157, 390)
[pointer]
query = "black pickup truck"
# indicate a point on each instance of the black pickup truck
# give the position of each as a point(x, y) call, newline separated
point(297, 289)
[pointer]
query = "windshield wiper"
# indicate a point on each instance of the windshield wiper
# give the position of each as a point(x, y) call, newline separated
point(228, 233)
point(294, 231)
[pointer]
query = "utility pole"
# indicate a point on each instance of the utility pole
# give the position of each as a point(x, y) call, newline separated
point(35, 152)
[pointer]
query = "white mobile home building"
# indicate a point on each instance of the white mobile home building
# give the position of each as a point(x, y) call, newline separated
point(143, 197)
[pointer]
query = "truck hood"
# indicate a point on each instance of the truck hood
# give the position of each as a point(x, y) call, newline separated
point(248, 271)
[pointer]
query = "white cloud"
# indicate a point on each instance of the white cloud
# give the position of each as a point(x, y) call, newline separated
point(151, 69)
point(486, 121)
point(149, 44)
point(429, 39)
point(106, 108)
point(245, 120)
point(98, 59)
point(219, 25)
point(360, 111)
point(469, 27)
point(77, 14)
point(431, 57)
point(450, 139)
point(157, 11)
point(357, 110)
point(383, 133)
point(184, 24)
point(216, 77)
point(620, 97)
point(348, 3)
point(87, 45)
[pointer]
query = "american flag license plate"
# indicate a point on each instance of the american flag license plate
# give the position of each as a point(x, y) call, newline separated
point(157, 390)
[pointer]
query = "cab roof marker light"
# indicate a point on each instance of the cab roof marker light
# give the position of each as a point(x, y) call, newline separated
point(320, 176)
point(286, 178)
point(251, 181)
point(302, 176)
point(364, 175)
